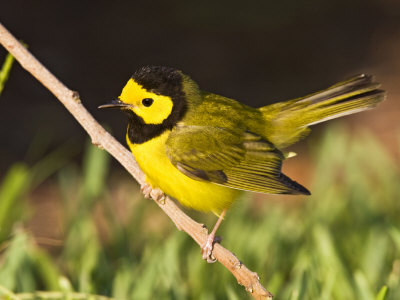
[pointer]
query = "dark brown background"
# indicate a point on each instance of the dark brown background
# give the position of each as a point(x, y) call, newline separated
point(257, 52)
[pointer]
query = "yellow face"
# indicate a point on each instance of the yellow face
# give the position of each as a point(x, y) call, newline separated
point(152, 108)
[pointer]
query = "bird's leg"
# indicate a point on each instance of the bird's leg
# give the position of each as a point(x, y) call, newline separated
point(206, 249)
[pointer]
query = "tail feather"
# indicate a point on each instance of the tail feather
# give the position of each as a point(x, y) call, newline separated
point(288, 121)
point(357, 84)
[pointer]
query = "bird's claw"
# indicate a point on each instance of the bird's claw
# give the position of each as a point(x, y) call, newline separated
point(146, 190)
point(207, 248)
point(149, 192)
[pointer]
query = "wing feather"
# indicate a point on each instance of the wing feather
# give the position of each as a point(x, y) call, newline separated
point(233, 158)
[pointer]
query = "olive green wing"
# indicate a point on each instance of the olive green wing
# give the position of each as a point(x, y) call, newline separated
point(233, 158)
point(203, 152)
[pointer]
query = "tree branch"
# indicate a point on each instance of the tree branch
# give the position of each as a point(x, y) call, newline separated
point(104, 140)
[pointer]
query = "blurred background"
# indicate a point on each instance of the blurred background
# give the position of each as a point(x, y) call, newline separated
point(72, 220)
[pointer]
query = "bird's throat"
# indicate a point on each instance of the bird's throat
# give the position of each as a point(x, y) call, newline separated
point(139, 132)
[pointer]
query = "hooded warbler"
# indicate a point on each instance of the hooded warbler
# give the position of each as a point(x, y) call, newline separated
point(202, 148)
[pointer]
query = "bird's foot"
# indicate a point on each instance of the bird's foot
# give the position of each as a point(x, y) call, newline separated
point(149, 192)
point(146, 190)
point(207, 248)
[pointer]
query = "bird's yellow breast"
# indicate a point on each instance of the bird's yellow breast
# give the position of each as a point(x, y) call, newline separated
point(161, 173)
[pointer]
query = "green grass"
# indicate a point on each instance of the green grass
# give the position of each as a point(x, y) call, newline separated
point(343, 242)
point(5, 70)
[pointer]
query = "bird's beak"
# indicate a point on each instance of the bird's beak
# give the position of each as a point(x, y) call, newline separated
point(116, 103)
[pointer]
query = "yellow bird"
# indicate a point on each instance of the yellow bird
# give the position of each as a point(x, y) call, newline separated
point(202, 149)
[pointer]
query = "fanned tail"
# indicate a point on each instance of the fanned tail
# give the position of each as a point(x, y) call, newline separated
point(288, 121)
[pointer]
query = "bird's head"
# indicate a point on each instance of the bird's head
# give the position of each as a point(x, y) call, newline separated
point(155, 95)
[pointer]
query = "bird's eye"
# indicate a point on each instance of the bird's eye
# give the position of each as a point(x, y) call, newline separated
point(147, 102)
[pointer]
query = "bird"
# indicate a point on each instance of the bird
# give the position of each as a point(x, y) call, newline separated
point(202, 149)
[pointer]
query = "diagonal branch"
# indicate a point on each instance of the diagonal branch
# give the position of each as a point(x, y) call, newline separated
point(104, 140)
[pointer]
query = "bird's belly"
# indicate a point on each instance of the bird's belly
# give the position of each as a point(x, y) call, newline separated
point(161, 173)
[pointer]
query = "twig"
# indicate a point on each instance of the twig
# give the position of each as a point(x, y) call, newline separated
point(104, 140)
